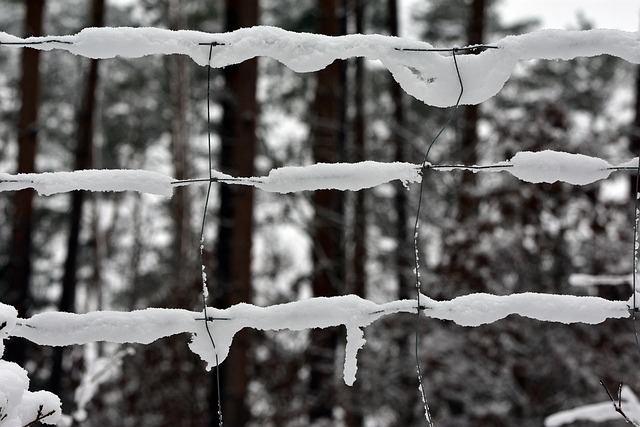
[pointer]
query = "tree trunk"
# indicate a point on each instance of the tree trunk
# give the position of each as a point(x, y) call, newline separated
point(17, 287)
point(179, 83)
point(354, 414)
point(462, 268)
point(83, 160)
point(469, 140)
point(327, 278)
point(634, 137)
point(238, 136)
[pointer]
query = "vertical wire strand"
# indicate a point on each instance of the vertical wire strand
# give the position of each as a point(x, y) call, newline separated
point(425, 166)
point(636, 213)
point(205, 290)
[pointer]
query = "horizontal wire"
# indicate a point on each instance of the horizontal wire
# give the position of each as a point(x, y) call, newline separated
point(450, 49)
point(24, 43)
point(215, 179)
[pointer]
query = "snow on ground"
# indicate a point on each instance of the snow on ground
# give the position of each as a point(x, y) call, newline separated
point(429, 76)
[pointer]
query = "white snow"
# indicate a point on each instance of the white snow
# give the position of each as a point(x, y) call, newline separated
point(551, 166)
point(428, 76)
point(48, 183)
point(337, 176)
point(8, 316)
point(18, 405)
point(139, 326)
point(536, 167)
point(355, 313)
point(598, 412)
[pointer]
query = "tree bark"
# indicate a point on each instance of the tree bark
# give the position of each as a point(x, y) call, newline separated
point(83, 160)
point(467, 201)
point(17, 287)
point(179, 83)
point(238, 136)
point(354, 414)
point(328, 276)
point(634, 137)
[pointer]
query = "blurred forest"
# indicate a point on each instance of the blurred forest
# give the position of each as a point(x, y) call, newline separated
point(479, 233)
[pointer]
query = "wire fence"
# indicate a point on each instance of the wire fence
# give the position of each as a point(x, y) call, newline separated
point(358, 313)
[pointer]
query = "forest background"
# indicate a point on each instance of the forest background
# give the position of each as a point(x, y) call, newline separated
point(479, 233)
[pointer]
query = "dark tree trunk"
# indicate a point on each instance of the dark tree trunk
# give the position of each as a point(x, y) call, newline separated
point(469, 140)
point(634, 137)
point(359, 251)
point(462, 268)
point(403, 256)
point(17, 286)
point(328, 276)
point(179, 83)
point(354, 414)
point(83, 160)
point(238, 135)
point(403, 261)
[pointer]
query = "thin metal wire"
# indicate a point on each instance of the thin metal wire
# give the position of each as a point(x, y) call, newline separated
point(205, 292)
point(415, 241)
point(453, 50)
point(35, 42)
point(634, 309)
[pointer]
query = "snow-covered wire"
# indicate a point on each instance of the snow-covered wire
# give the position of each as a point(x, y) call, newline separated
point(35, 43)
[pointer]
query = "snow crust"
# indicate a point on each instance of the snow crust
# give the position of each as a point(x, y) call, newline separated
point(138, 326)
point(8, 317)
point(355, 313)
point(429, 76)
point(92, 180)
point(551, 166)
point(335, 176)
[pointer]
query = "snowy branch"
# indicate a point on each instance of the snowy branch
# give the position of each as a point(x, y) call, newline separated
point(427, 75)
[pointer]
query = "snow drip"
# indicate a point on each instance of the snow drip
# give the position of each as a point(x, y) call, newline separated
point(428, 76)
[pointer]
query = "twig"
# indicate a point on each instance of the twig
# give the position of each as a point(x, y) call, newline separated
point(617, 405)
point(40, 416)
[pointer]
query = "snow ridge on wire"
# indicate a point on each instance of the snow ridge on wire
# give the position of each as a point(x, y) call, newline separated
point(427, 75)
point(536, 167)
point(355, 313)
